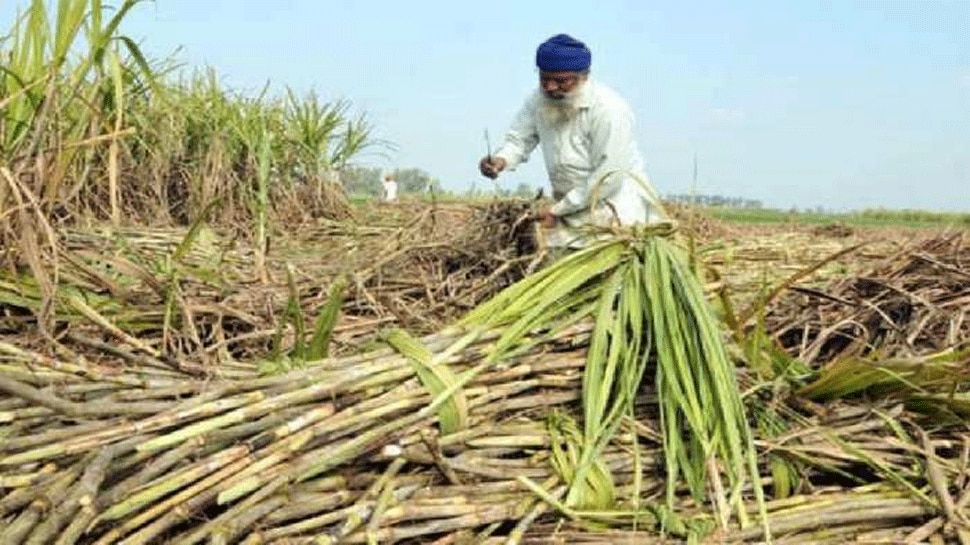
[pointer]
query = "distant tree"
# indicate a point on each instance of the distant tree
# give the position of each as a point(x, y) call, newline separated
point(411, 180)
point(362, 181)
point(415, 180)
point(525, 190)
point(369, 180)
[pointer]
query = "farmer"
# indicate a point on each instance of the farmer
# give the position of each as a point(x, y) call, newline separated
point(390, 187)
point(587, 135)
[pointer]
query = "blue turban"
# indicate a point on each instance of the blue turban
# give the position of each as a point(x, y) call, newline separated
point(563, 53)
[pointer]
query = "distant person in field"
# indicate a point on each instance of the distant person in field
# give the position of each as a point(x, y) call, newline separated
point(390, 187)
point(587, 135)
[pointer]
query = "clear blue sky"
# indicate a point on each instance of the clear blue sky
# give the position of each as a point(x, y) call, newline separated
point(843, 104)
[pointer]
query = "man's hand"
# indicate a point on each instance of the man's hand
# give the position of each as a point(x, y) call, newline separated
point(546, 218)
point(491, 166)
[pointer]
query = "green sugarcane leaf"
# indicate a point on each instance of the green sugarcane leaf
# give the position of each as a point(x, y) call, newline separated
point(435, 376)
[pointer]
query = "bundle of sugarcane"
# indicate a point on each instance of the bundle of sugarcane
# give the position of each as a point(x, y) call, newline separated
point(355, 454)
point(647, 303)
point(139, 460)
point(347, 459)
point(870, 514)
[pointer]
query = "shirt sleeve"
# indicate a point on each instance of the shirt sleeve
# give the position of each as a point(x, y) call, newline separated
point(611, 151)
point(522, 137)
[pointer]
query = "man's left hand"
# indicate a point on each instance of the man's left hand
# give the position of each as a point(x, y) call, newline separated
point(547, 219)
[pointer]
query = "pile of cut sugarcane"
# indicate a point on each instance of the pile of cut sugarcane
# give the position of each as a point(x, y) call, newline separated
point(121, 455)
point(188, 297)
point(502, 429)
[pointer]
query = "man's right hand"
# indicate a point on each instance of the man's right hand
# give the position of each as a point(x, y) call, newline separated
point(490, 167)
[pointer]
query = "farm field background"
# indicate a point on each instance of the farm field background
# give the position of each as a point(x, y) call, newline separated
point(206, 336)
point(148, 317)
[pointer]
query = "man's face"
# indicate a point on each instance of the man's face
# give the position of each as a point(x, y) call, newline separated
point(559, 85)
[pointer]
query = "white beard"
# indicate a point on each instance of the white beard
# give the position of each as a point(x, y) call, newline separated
point(558, 112)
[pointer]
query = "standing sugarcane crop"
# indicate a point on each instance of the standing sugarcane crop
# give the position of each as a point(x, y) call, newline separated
point(586, 131)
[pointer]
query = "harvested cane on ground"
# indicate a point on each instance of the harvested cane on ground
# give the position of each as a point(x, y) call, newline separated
point(647, 303)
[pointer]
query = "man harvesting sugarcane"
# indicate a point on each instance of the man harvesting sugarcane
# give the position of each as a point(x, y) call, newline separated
point(587, 135)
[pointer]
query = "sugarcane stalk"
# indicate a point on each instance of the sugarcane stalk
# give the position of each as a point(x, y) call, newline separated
point(479, 467)
point(382, 504)
point(26, 415)
point(84, 391)
point(333, 428)
point(144, 360)
point(438, 457)
point(312, 523)
point(27, 479)
point(120, 430)
point(310, 467)
point(304, 504)
point(480, 517)
point(177, 390)
point(230, 465)
point(938, 481)
point(353, 522)
point(82, 494)
point(200, 476)
point(241, 523)
point(246, 481)
point(537, 509)
point(77, 527)
point(77, 303)
point(35, 377)
point(921, 534)
point(454, 508)
point(196, 535)
point(21, 497)
point(804, 520)
point(157, 466)
point(484, 488)
point(41, 503)
point(70, 408)
point(82, 370)
point(278, 402)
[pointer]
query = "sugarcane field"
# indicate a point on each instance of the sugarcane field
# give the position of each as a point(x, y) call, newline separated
point(218, 327)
